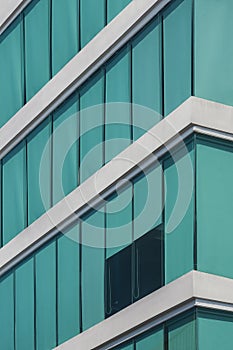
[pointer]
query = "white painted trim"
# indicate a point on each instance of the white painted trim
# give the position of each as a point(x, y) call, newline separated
point(190, 116)
point(193, 289)
point(10, 9)
point(118, 32)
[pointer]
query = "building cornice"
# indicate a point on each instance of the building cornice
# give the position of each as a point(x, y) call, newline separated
point(193, 289)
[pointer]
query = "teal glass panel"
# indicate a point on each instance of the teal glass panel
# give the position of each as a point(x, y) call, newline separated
point(68, 285)
point(39, 170)
point(93, 256)
point(182, 333)
point(118, 119)
point(92, 19)
point(37, 46)
point(65, 32)
point(14, 192)
point(45, 261)
point(151, 341)
point(214, 207)
point(114, 7)
point(119, 222)
point(24, 306)
point(215, 330)
point(147, 81)
point(65, 148)
point(91, 126)
point(179, 213)
point(7, 312)
point(148, 205)
point(213, 50)
point(177, 25)
point(11, 71)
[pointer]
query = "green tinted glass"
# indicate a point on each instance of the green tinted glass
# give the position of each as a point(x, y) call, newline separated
point(214, 207)
point(177, 23)
point(179, 213)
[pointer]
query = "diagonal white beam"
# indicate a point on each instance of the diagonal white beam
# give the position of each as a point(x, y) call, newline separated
point(82, 66)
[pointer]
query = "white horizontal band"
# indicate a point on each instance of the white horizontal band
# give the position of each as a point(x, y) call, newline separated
point(194, 114)
point(82, 66)
point(10, 9)
point(193, 289)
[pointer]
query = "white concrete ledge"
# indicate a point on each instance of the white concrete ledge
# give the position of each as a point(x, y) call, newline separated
point(9, 10)
point(193, 289)
point(82, 66)
point(193, 115)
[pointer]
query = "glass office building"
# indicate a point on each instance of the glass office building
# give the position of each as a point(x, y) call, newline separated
point(116, 143)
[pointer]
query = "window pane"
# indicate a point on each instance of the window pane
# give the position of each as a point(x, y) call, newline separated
point(65, 34)
point(148, 264)
point(68, 285)
point(214, 50)
point(24, 306)
point(214, 207)
point(114, 7)
point(93, 257)
point(91, 127)
point(146, 78)
point(92, 19)
point(39, 174)
point(46, 297)
point(148, 204)
point(11, 72)
point(7, 312)
point(179, 213)
point(14, 192)
point(37, 46)
point(118, 121)
point(119, 285)
point(177, 53)
point(182, 334)
point(65, 148)
point(215, 330)
point(151, 341)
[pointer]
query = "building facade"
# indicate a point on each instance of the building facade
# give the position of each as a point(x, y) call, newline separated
point(116, 172)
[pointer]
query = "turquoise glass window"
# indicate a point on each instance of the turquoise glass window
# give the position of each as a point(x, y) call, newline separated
point(214, 207)
point(182, 333)
point(45, 280)
point(68, 284)
point(92, 21)
point(177, 27)
point(65, 149)
point(65, 32)
point(11, 71)
point(213, 50)
point(114, 7)
point(37, 46)
point(118, 118)
point(93, 269)
point(179, 213)
point(214, 330)
point(14, 192)
point(91, 126)
point(39, 170)
point(7, 312)
point(147, 78)
point(151, 341)
point(24, 306)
